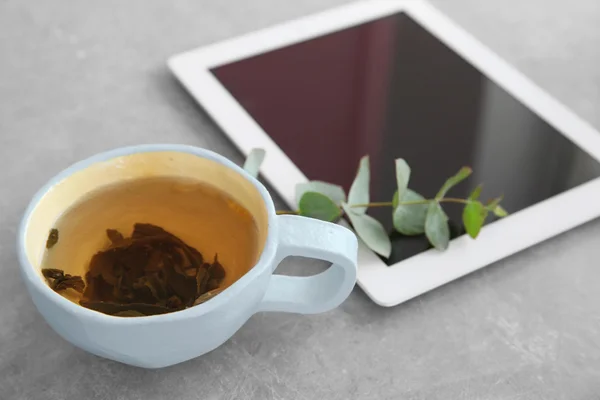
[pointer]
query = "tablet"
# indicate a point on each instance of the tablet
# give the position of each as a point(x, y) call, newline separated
point(393, 79)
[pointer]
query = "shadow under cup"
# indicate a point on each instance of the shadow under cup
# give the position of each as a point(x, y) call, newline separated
point(138, 166)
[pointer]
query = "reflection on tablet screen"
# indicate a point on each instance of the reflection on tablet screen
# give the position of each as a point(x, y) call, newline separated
point(390, 89)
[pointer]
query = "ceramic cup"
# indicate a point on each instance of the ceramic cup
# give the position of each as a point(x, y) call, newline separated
point(163, 340)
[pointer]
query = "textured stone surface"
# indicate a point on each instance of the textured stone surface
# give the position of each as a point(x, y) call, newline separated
point(77, 78)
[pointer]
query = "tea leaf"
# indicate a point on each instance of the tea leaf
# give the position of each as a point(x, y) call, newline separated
point(359, 191)
point(174, 302)
point(319, 206)
point(59, 281)
point(499, 211)
point(69, 282)
point(207, 296)
point(52, 273)
point(436, 226)
point(402, 176)
point(212, 284)
point(114, 236)
point(216, 270)
point(453, 181)
point(410, 219)
point(202, 278)
point(474, 215)
point(52, 238)
point(334, 192)
point(370, 231)
point(253, 161)
point(129, 313)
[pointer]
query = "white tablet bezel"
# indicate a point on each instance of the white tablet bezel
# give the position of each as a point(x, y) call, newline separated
point(391, 285)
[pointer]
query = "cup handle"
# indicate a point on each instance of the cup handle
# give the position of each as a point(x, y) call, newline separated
point(308, 237)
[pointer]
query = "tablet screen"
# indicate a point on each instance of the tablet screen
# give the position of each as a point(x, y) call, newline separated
point(390, 89)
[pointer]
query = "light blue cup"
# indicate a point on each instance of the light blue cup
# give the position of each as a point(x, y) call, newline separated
point(163, 340)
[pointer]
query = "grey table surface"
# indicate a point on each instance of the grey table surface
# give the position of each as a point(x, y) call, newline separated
point(77, 78)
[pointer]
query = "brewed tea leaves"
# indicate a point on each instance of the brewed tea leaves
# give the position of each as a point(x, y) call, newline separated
point(202, 277)
point(207, 296)
point(114, 308)
point(52, 273)
point(174, 302)
point(69, 282)
point(129, 313)
point(151, 272)
point(212, 284)
point(182, 285)
point(216, 270)
point(114, 236)
point(52, 238)
point(59, 281)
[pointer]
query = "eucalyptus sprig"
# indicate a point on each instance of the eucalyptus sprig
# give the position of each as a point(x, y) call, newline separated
point(412, 214)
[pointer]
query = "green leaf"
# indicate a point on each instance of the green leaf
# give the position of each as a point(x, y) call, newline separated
point(359, 191)
point(436, 226)
point(453, 181)
point(319, 206)
point(253, 161)
point(370, 231)
point(410, 219)
point(474, 215)
point(499, 211)
point(334, 192)
point(402, 176)
point(476, 193)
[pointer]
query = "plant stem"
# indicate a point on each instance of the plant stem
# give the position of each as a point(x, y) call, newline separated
point(390, 204)
point(454, 200)
point(376, 204)
point(444, 200)
point(410, 203)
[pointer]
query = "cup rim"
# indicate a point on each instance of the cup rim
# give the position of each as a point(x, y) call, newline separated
point(32, 276)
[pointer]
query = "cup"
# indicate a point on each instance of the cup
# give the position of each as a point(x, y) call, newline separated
point(163, 340)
